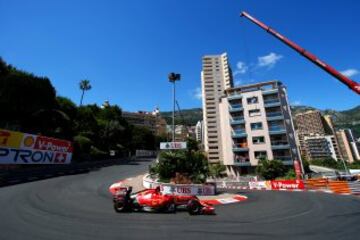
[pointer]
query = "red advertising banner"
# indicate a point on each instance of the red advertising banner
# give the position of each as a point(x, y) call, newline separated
point(287, 184)
point(297, 168)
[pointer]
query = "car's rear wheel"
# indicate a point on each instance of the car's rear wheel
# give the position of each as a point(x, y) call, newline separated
point(194, 207)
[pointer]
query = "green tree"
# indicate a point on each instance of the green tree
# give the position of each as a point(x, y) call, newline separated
point(271, 169)
point(192, 164)
point(216, 170)
point(306, 165)
point(67, 106)
point(142, 138)
point(327, 162)
point(192, 144)
point(21, 95)
point(290, 175)
point(84, 86)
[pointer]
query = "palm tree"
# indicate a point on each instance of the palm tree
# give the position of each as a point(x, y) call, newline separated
point(84, 86)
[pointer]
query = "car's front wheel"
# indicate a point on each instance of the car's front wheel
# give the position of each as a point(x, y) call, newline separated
point(171, 208)
point(119, 206)
point(194, 207)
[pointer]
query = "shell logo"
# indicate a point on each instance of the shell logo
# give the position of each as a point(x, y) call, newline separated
point(29, 141)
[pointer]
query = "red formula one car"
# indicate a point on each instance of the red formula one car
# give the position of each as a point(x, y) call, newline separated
point(152, 200)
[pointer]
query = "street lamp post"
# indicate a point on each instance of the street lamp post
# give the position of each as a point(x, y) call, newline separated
point(173, 77)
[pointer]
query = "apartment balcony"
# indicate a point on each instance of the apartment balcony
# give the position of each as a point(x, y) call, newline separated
point(272, 116)
point(242, 163)
point(277, 130)
point(240, 147)
point(286, 160)
point(279, 145)
point(270, 91)
point(239, 133)
point(272, 102)
point(283, 158)
point(235, 108)
point(233, 96)
point(237, 120)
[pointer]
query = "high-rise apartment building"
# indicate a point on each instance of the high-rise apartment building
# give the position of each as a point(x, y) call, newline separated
point(216, 76)
point(310, 123)
point(256, 124)
point(150, 120)
point(307, 124)
point(347, 145)
point(316, 128)
point(320, 147)
point(199, 133)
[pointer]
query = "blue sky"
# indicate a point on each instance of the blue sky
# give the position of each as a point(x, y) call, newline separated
point(127, 48)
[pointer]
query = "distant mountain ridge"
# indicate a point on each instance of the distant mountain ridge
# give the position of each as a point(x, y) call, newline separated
point(342, 119)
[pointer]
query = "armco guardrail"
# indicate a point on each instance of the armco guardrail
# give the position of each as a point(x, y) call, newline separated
point(320, 185)
point(26, 174)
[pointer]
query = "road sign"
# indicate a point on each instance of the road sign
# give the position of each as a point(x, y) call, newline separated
point(172, 145)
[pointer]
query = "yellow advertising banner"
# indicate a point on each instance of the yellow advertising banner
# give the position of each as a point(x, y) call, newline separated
point(10, 138)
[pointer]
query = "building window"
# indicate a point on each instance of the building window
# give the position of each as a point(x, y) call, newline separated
point(252, 100)
point(254, 113)
point(260, 155)
point(258, 140)
point(256, 126)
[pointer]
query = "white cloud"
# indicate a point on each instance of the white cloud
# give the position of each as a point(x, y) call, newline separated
point(269, 60)
point(241, 68)
point(197, 93)
point(350, 72)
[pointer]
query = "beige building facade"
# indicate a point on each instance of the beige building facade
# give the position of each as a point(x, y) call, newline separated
point(216, 76)
point(255, 124)
point(347, 145)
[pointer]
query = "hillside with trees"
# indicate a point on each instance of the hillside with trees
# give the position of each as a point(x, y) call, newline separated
point(342, 119)
point(30, 104)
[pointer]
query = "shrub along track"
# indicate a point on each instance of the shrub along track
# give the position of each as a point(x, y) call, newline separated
point(80, 207)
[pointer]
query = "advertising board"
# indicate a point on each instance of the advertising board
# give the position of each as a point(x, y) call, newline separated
point(287, 184)
point(23, 148)
point(260, 185)
point(172, 145)
point(188, 189)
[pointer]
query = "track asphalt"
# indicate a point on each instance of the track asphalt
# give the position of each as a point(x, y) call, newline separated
point(80, 207)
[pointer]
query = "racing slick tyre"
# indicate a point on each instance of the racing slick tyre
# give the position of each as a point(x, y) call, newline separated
point(171, 208)
point(194, 207)
point(120, 206)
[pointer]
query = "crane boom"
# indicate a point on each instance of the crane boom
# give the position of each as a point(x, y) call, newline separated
point(329, 69)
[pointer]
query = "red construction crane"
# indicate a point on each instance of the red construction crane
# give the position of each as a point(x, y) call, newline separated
point(345, 80)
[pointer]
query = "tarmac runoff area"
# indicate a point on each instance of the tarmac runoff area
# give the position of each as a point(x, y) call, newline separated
point(79, 207)
point(219, 199)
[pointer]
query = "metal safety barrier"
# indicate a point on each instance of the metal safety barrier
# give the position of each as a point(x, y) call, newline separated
point(32, 173)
